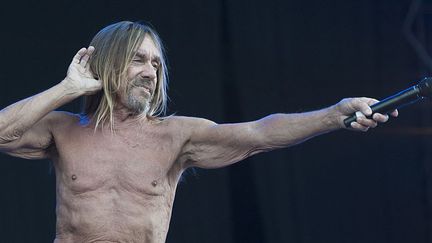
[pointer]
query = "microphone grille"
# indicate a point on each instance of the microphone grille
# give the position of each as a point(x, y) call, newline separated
point(425, 87)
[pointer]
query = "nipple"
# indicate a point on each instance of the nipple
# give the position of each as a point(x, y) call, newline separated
point(74, 177)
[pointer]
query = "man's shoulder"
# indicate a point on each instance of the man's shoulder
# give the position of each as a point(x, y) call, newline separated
point(62, 118)
point(187, 121)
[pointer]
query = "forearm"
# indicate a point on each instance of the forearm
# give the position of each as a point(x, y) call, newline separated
point(217, 145)
point(17, 118)
point(282, 130)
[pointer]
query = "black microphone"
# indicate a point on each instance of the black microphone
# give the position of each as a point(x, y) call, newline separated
point(411, 95)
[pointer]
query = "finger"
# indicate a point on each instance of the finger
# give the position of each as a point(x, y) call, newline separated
point(86, 56)
point(358, 126)
point(380, 117)
point(366, 122)
point(394, 113)
point(362, 106)
point(369, 101)
point(91, 73)
point(78, 56)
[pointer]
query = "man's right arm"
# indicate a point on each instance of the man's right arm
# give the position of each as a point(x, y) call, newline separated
point(25, 127)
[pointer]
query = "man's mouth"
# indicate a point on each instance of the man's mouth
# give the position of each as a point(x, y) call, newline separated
point(143, 85)
point(148, 90)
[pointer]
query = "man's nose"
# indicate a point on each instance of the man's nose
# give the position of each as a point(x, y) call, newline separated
point(148, 72)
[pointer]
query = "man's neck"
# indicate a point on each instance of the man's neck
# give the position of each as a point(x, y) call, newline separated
point(123, 115)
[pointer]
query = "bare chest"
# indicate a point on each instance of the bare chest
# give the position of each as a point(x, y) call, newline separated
point(132, 160)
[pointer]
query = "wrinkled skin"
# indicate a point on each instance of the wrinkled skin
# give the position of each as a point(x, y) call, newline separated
point(116, 188)
point(120, 187)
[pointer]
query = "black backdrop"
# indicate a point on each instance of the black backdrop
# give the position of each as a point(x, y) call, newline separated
point(239, 61)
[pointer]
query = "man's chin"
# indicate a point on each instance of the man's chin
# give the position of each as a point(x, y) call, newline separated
point(138, 102)
point(141, 94)
point(138, 107)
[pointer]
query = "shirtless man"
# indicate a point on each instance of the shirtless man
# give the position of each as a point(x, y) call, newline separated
point(118, 164)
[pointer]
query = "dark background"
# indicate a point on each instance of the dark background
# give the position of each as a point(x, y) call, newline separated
point(233, 61)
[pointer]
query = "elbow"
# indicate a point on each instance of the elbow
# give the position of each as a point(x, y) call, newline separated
point(10, 131)
point(263, 148)
point(9, 142)
point(8, 135)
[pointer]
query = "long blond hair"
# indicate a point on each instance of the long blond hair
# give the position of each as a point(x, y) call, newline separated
point(115, 46)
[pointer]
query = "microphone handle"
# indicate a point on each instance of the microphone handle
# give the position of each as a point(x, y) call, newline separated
point(391, 103)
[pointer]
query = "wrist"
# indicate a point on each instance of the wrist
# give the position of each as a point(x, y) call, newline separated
point(69, 89)
point(333, 118)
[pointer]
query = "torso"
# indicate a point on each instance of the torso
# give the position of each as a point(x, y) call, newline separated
point(116, 188)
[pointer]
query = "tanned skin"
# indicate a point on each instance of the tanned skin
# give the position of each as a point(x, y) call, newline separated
point(120, 187)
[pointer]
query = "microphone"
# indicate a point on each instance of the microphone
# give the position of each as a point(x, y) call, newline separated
point(411, 95)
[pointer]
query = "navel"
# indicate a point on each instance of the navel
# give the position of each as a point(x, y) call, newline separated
point(74, 177)
point(154, 183)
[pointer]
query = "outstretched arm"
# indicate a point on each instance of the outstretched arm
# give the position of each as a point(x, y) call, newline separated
point(25, 126)
point(212, 145)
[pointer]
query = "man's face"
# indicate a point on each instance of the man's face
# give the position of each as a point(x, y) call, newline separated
point(138, 90)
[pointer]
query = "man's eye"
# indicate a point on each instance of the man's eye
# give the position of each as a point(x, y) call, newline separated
point(155, 65)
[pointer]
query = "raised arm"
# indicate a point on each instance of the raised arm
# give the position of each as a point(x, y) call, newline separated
point(212, 145)
point(25, 127)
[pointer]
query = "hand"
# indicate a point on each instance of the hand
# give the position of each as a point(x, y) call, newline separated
point(79, 77)
point(360, 106)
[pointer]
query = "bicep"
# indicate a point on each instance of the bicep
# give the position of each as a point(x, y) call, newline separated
point(34, 143)
point(218, 145)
